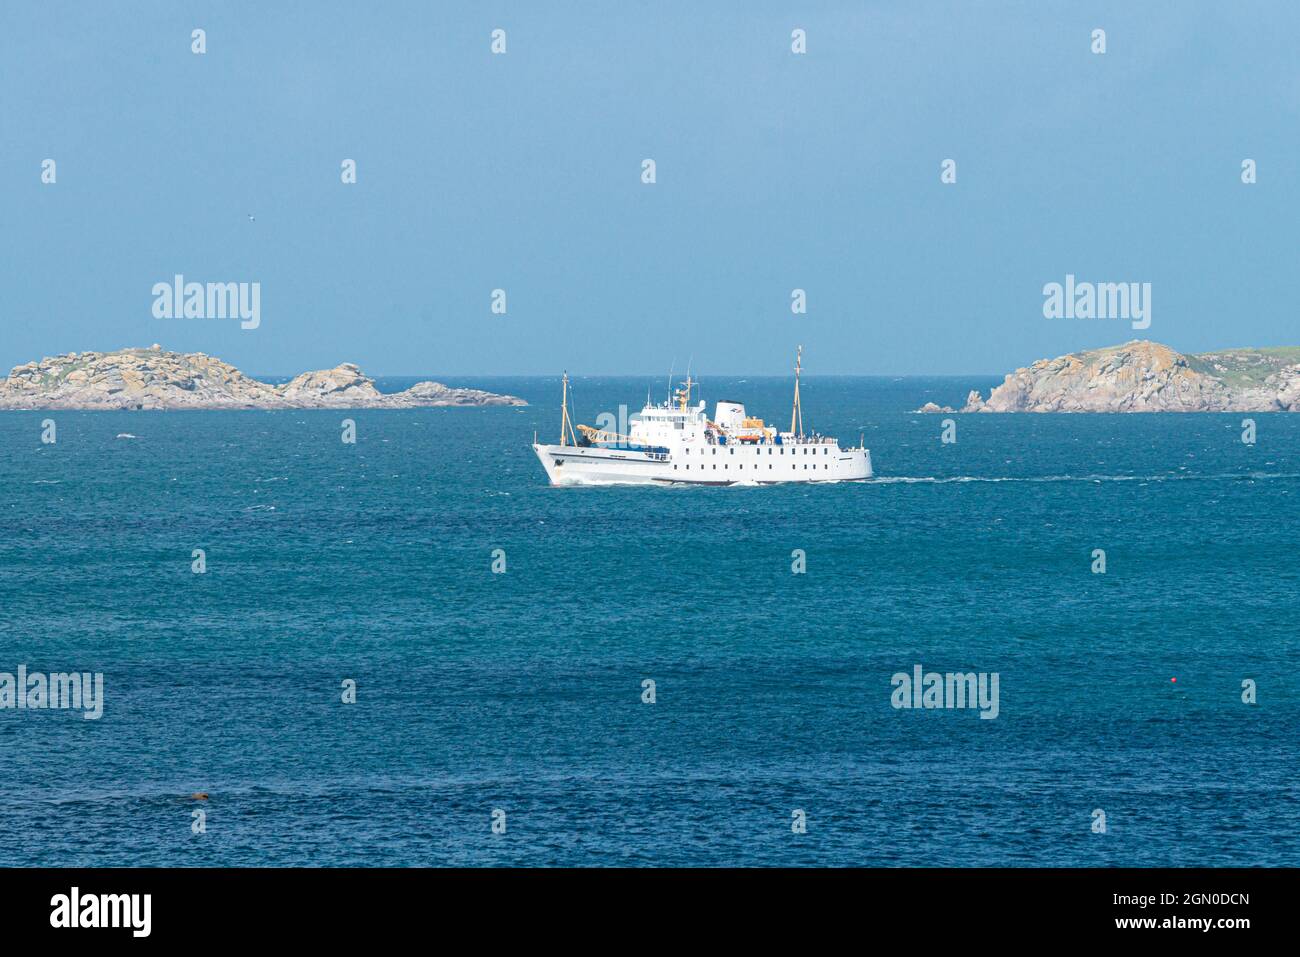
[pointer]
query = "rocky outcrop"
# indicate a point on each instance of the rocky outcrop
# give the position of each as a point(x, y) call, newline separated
point(155, 379)
point(342, 385)
point(1142, 376)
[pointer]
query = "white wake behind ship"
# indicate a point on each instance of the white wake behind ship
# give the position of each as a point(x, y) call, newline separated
point(676, 442)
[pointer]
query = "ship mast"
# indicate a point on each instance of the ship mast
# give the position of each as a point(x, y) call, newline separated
point(796, 414)
point(566, 427)
point(684, 393)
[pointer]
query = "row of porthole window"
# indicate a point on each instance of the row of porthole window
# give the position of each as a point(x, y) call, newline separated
point(793, 465)
point(825, 450)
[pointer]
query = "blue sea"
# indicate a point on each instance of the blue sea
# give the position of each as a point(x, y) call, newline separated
point(523, 691)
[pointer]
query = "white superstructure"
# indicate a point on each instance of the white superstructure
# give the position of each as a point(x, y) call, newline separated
point(676, 441)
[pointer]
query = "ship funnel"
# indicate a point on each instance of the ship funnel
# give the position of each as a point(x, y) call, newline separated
point(729, 415)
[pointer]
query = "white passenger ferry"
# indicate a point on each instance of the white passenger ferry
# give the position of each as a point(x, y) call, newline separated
point(676, 442)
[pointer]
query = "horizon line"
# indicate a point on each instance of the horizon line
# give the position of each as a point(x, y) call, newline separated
point(639, 375)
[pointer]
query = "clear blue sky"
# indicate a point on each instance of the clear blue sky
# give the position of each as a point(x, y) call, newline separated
point(522, 171)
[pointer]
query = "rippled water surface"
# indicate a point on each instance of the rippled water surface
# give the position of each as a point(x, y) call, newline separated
point(523, 691)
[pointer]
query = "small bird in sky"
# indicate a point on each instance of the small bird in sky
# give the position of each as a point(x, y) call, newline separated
point(251, 218)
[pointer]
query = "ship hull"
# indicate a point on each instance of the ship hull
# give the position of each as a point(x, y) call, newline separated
point(703, 465)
